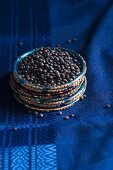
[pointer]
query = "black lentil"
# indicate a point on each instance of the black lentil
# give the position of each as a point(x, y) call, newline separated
point(20, 44)
point(13, 129)
point(107, 106)
point(36, 112)
point(69, 41)
point(66, 117)
point(49, 63)
point(41, 115)
point(71, 115)
point(59, 113)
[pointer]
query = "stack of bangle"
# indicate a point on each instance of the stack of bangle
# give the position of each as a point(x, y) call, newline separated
point(48, 79)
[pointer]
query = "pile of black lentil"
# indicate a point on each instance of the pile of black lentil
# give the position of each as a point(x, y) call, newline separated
point(45, 79)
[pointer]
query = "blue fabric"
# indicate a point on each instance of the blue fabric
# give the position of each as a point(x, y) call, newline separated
point(82, 143)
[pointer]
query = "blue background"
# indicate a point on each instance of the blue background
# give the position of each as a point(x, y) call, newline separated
point(82, 143)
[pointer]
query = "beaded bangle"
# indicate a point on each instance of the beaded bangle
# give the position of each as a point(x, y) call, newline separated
point(52, 100)
point(45, 110)
point(50, 104)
